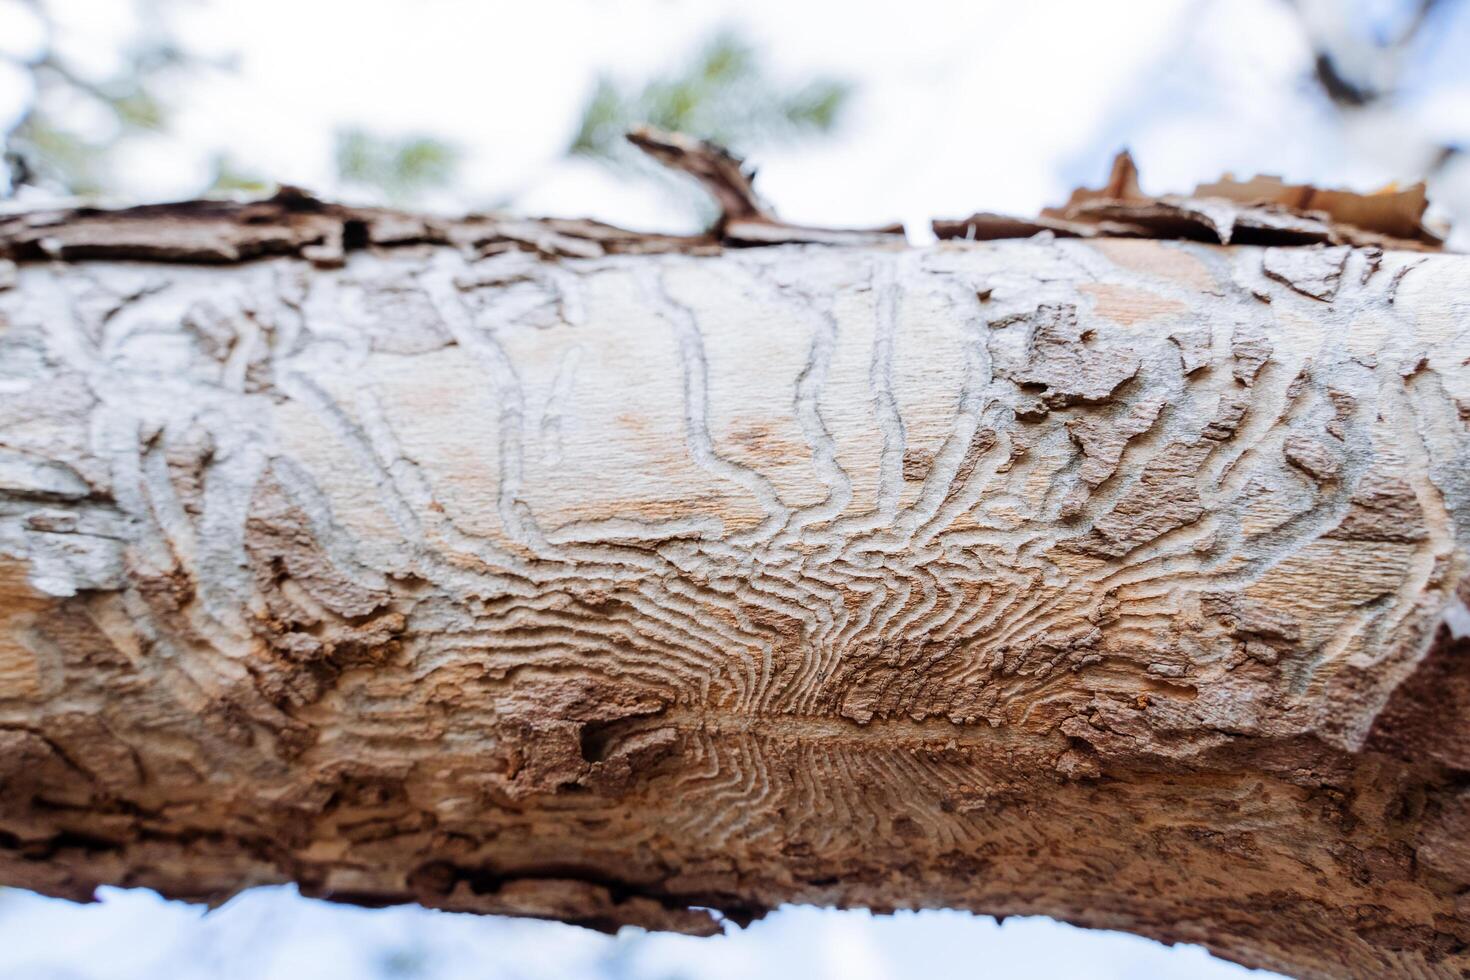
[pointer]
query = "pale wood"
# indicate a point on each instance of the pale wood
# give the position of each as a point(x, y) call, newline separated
point(1110, 580)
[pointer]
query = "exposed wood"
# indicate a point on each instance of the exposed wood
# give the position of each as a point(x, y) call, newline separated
point(1120, 581)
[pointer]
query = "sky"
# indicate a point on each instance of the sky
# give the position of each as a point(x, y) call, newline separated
point(958, 106)
point(963, 106)
point(273, 934)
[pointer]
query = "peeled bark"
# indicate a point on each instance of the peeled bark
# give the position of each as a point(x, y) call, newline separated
point(1117, 581)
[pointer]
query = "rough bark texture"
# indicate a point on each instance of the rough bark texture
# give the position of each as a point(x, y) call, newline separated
point(1119, 581)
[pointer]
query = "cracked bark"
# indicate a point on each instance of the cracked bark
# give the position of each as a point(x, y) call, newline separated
point(548, 569)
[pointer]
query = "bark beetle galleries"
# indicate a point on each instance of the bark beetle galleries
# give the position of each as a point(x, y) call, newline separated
point(509, 568)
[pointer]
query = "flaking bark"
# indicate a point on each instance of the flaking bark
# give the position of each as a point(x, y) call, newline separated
point(549, 569)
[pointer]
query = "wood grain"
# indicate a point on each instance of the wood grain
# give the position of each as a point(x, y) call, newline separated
point(1117, 581)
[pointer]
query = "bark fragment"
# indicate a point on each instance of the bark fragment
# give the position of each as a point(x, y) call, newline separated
point(1259, 211)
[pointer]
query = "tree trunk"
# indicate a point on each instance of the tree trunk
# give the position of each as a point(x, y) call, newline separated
point(1117, 581)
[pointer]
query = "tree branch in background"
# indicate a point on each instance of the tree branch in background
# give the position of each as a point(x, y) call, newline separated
point(401, 169)
point(725, 95)
point(52, 146)
point(1354, 66)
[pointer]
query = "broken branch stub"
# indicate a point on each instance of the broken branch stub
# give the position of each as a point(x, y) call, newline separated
point(744, 219)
